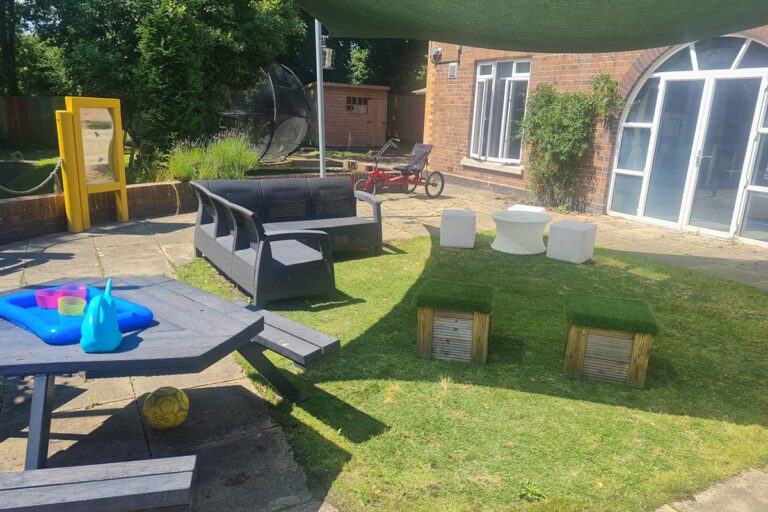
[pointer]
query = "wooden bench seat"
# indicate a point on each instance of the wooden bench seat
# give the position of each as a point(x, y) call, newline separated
point(164, 484)
point(305, 346)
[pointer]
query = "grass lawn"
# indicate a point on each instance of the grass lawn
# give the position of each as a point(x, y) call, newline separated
point(384, 430)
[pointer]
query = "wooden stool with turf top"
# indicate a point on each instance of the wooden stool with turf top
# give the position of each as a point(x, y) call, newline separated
point(608, 339)
point(454, 320)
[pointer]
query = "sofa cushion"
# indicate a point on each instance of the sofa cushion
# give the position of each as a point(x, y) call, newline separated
point(332, 197)
point(286, 199)
point(320, 224)
point(286, 253)
point(245, 193)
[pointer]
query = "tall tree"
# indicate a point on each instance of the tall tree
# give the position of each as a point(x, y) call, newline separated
point(124, 49)
point(301, 56)
point(397, 63)
point(40, 68)
point(9, 29)
point(170, 76)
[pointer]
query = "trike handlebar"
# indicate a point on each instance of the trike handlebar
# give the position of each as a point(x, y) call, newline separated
point(390, 143)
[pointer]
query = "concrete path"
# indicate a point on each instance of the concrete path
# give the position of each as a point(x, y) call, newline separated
point(747, 492)
point(246, 463)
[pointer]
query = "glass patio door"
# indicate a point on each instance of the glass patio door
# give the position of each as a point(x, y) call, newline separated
point(677, 128)
point(719, 162)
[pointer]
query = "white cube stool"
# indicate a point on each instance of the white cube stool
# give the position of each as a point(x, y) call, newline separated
point(571, 241)
point(526, 208)
point(457, 229)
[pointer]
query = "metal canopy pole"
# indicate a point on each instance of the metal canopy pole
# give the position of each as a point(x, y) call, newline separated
point(320, 99)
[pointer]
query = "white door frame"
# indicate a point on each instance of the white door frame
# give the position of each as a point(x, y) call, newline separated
point(694, 171)
point(710, 78)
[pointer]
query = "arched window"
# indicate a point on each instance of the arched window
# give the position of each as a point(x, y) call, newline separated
point(693, 142)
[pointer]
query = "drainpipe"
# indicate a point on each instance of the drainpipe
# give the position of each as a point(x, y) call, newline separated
point(320, 99)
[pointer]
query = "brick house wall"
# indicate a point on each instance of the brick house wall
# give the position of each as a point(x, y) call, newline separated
point(449, 103)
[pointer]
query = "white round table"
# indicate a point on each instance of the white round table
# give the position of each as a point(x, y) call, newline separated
point(519, 232)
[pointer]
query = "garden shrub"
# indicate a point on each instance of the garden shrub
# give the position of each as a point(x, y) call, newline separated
point(228, 156)
point(184, 161)
point(559, 128)
point(170, 79)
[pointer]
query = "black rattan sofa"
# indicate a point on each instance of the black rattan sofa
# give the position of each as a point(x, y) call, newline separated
point(275, 237)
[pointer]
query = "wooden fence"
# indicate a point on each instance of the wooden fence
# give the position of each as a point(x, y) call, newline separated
point(405, 117)
point(29, 122)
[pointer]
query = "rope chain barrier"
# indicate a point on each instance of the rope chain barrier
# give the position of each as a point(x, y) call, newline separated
point(53, 176)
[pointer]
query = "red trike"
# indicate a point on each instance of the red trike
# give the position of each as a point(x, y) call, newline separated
point(405, 177)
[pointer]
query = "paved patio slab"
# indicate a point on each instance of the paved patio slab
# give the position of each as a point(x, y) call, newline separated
point(244, 460)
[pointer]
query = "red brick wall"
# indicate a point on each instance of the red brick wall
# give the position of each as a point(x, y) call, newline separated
point(448, 114)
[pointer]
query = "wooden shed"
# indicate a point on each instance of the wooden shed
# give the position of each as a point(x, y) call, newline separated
point(355, 115)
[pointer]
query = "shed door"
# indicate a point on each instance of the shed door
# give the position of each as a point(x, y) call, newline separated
point(377, 121)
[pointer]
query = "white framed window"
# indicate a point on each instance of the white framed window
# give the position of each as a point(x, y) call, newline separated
point(501, 92)
point(357, 104)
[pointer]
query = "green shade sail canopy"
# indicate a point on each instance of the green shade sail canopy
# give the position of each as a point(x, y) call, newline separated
point(572, 26)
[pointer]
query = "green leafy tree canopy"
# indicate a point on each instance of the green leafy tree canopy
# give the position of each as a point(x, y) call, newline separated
point(172, 63)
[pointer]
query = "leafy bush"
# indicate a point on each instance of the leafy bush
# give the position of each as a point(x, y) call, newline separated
point(184, 162)
point(559, 128)
point(226, 157)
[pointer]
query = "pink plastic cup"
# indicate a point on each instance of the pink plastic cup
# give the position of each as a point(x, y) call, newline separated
point(48, 298)
point(74, 290)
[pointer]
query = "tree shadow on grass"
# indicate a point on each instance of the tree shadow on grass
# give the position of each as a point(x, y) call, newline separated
point(350, 422)
point(702, 364)
point(333, 300)
point(387, 250)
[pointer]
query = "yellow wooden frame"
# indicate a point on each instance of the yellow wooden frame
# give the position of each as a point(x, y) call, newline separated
point(76, 188)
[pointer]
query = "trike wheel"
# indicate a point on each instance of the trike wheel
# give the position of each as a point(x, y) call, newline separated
point(434, 184)
point(411, 184)
point(361, 183)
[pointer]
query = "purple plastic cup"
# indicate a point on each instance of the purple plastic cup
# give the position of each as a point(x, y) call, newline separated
point(74, 290)
point(48, 298)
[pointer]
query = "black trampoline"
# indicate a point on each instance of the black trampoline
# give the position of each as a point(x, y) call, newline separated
point(275, 113)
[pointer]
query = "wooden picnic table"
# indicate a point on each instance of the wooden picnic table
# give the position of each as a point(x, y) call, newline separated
point(191, 331)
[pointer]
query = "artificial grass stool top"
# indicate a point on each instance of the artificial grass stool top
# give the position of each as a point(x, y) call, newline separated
point(455, 296)
point(629, 315)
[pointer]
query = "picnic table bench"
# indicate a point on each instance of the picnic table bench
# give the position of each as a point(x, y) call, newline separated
point(164, 484)
point(304, 346)
point(192, 330)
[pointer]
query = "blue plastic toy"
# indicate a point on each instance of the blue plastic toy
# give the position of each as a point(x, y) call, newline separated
point(100, 330)
point(21, 309)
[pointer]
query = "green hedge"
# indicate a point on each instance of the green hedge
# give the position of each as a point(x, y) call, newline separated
point(455, 296)
point(629, 315)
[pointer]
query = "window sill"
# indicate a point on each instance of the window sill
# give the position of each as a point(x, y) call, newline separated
point(515, 169)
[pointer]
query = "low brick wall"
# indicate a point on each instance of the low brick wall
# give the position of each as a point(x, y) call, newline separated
point(27, 217)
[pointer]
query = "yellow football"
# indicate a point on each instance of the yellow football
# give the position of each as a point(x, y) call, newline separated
point(166, 408)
